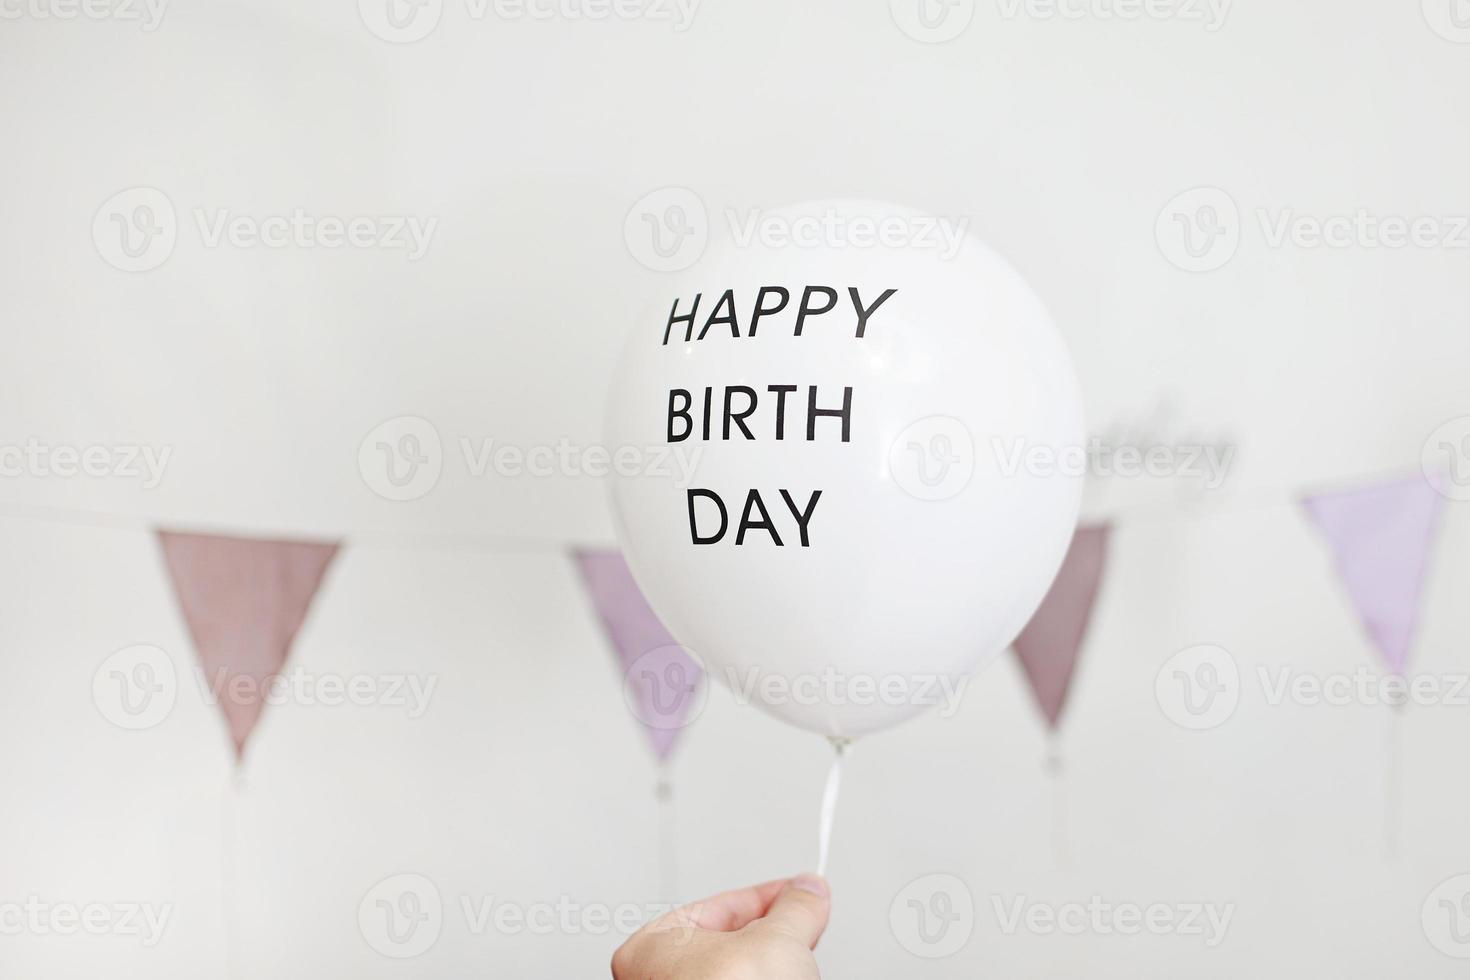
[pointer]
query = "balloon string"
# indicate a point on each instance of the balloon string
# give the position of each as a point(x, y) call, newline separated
point(229, 871)
point(829, 804)
point(1055, 771)
point(668, 851)
point(1392, 783)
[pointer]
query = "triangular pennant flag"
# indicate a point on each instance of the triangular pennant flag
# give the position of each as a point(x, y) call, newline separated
point(243, 600)
point(1381, 536)
point(1049, 645)
point(636, 633)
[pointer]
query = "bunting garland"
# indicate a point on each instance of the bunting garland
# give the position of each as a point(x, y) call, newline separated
point(665, 686)
point(244, 601)
point(1049, 645)
point(1381, 537)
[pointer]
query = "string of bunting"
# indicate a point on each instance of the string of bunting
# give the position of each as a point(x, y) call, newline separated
point(244, 598)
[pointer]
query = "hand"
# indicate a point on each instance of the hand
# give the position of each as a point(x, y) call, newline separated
point(765, 932)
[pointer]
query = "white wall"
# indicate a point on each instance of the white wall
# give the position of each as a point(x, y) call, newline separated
point(261, 371)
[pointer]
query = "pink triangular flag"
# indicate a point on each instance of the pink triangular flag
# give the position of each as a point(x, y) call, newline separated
point(243, 600)
point(668, 683)
point(1049, 645)
point(1381, 537)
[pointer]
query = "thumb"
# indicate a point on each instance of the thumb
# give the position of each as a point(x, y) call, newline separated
point(801, 909)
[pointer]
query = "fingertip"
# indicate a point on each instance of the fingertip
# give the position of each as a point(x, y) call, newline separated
point(813, 883)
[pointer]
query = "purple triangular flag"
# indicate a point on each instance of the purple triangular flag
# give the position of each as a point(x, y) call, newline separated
point(640, 639)
point(1381, 537)
point(244, 601)
point(1049, 645)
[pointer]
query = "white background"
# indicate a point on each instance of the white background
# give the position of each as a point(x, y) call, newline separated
point(1059, 140)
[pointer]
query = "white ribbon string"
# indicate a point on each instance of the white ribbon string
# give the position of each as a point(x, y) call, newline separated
point(829, 805)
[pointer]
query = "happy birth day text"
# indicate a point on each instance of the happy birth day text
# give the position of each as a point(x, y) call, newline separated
point(725, 414)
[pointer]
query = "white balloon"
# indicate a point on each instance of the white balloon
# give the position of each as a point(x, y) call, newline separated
point(910, 552)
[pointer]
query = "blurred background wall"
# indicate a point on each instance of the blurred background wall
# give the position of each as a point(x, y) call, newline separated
point(1155, 175)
